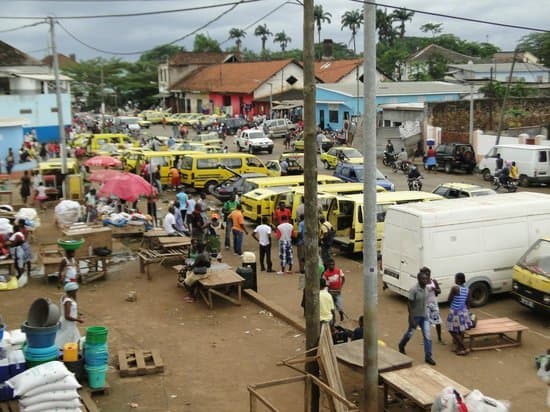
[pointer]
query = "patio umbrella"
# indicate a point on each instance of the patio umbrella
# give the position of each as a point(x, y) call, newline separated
point(102, 175)
point(103, 161)
point(127, 186)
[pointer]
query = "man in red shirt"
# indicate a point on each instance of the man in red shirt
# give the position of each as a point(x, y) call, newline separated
point(335, 281)
point(279, 213)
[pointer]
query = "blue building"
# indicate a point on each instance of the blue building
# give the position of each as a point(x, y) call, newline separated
point(337, 102)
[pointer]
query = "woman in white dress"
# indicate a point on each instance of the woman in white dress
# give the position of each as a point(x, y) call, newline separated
point(432, 307)
point(68, 331)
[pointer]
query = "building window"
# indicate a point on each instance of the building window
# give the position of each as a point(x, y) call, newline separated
point(25, 111)
point(53, 109)
point(199, 105)
point(387, 123)
point(333, 116)
point(291, 80)
point(396, 124)
point(226, 100)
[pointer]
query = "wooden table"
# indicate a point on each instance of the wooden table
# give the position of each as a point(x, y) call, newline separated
point(351, 353)
point(9, 194)
point(219, 282)
point(151, 236)
point(51, 256)
point(419, 384)
point(174, 241)
point(498, 329)
point(95, 268)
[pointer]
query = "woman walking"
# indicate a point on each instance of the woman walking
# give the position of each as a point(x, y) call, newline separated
point(25, 190)
point(68, 330)
point(432, 307)
point(458, 320)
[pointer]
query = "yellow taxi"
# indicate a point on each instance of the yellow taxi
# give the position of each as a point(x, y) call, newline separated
point(334, 155)
point(295, 163)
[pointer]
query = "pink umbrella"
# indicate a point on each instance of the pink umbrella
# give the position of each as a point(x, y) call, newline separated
point(103, 161)
point(127, 186)
point(102, 175)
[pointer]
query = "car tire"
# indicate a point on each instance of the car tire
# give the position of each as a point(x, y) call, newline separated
point(479, 294)
point(210, 186)
point(326, 165)
point(448, 167)
point(239, 147)
point(486, 174)
point(524, 181)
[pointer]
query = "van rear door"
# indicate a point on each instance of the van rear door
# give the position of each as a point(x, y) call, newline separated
point(542, 166)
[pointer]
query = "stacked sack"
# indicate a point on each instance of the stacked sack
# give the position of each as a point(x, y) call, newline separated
point(46, 387)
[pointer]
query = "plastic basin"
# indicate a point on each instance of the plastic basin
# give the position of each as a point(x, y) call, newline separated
point(43, 313)
point(40, 337)
point(70, 244)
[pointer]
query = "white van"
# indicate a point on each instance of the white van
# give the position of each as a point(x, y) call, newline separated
point(278, 127)
point(483, 237)
point(533, 162)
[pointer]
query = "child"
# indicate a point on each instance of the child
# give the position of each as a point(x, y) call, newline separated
point(41, 196)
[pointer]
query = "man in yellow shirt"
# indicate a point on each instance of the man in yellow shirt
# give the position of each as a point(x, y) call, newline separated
point(326, 304)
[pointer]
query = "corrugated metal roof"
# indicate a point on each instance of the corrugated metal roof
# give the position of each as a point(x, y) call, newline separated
point(500, 67)
point(401, 88)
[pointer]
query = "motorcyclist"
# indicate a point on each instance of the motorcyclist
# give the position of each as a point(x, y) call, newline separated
point(504, 174)
point(414, 174)
point(389, 147)
point(402, 158)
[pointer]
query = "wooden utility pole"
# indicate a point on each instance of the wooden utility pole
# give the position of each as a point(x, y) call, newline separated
point(370, 264)
point(311, 219)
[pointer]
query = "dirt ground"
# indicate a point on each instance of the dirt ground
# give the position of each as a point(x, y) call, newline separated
point(211, 356)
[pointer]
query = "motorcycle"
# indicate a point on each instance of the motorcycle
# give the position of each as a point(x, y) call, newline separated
point(403, 166)
point(415, 183)
point(389, 159)
point(510, 185)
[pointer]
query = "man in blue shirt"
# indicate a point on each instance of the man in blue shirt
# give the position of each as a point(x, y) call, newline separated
point(182, 199)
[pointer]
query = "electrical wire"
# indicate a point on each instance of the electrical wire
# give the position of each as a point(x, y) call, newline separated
point(448, 16)
point(219, 16)
point(26, 26)
point(145, 13)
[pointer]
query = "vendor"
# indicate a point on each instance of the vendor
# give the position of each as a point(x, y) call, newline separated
point(68, 330)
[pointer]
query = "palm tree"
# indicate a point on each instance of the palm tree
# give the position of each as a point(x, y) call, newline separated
point(402, 15)
point(262, 31)
point(282, 38)
point(435, 28)
point(384, 25)
point(320, 17)
point(352, 20)
point(237, 34)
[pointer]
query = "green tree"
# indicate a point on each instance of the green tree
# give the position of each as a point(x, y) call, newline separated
point(283, 39)
point(161, 53)
point(204, 43)
point(262, 32)
point(403, 16)
point(384, 26)
point(320, 16)
point(352, 20)
point(237, 34)
point(539, 45)
point(434, 28)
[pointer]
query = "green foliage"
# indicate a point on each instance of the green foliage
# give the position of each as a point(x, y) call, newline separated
point(283, 39)
point(160, 53)
point(262, 32)
point(402, 16)
point(434, 28)
point(384, 26)
point(205, 43)
point(352, 20)
point(320, 16)
point(538, 44)
point(497, 90)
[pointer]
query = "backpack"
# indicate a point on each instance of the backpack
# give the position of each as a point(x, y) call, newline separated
point(331, 234)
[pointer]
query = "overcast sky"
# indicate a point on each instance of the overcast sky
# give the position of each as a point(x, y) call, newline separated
point(131, 34)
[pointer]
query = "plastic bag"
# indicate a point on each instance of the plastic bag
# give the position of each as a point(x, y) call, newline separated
point(29, 215)
point(67, 212)
point(477, 402)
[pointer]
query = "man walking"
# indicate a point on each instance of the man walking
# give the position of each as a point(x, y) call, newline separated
point(335, 281)
point(418, 298)
point(228, 207)
point(326, 304)
point(262, 234)
point(326, 233)
point(237, 228)
point(284, 234)
point(182, 199)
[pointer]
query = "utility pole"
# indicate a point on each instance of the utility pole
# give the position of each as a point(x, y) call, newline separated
point(471, 125)
point(102, 99)
point(370, 263)
point(311, 219)
point(62, 143)
point(501, 117)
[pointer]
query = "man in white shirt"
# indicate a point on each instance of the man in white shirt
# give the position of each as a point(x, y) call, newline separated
point(169, 223)
point(285, 231)
point(262, 234)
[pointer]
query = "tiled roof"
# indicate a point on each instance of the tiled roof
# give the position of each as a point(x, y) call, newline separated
point(332, 71)
point(10, 56)
point(190, 58)
point(232, 77)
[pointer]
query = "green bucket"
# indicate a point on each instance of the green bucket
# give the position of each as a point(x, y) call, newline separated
point(96, 335)
point(96, 376)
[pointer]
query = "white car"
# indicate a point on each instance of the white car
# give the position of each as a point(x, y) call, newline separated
point(254, 140)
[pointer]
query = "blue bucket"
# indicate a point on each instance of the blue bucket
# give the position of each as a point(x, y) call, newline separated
point(40, 354)
point(96, 355)
point(40, 337)
point(96, 376)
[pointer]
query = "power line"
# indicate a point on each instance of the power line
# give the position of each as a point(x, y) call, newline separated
point(219, 16)
point(26, 26)
point(448, 16)
point(145, 13)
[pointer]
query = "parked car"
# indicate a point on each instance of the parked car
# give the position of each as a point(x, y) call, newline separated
point(457, 190)
point(339, 154)
point(350, 172)
point(295, 163)
point(278, 127)
point(298, 144)
point(253, 141)
point(233, 124)
point(226, 188)
point(455, 156)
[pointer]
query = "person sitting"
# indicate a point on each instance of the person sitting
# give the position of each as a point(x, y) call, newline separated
point(198, 270)
point(514, 172)
point(412, 176)
point(504, 174)
point(402, 158)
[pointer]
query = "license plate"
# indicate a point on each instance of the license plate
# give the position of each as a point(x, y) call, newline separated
point(526, 302)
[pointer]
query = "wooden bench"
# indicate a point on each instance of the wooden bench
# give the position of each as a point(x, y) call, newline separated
point(150, 256)
point(9, 264)
point(496, 331)
point(419, 385)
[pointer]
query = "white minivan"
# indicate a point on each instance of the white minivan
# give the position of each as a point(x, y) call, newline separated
point(483, 237)
point(533, 162)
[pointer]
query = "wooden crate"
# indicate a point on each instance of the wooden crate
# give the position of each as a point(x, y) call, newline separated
point(139, 362)
point(94, 236)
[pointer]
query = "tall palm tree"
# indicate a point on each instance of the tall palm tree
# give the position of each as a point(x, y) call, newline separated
point(320, 17)
point(237, 34)
point(384, 25)
point(435, 28)
point(352, 20)
point(283, 39)
point(262, 32)
point(403, 16)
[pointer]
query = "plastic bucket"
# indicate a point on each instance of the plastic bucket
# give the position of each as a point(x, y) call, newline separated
point(96, 335)
point(38, 337)
point(40, 354)
point(43, 313)
point(96, 355)
point(96, 376)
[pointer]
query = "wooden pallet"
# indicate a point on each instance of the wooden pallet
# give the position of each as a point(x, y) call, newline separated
point(140, 362)
point(9, 406)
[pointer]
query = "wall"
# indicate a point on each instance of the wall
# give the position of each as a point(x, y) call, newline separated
point(41, 118)
point(11, 136)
